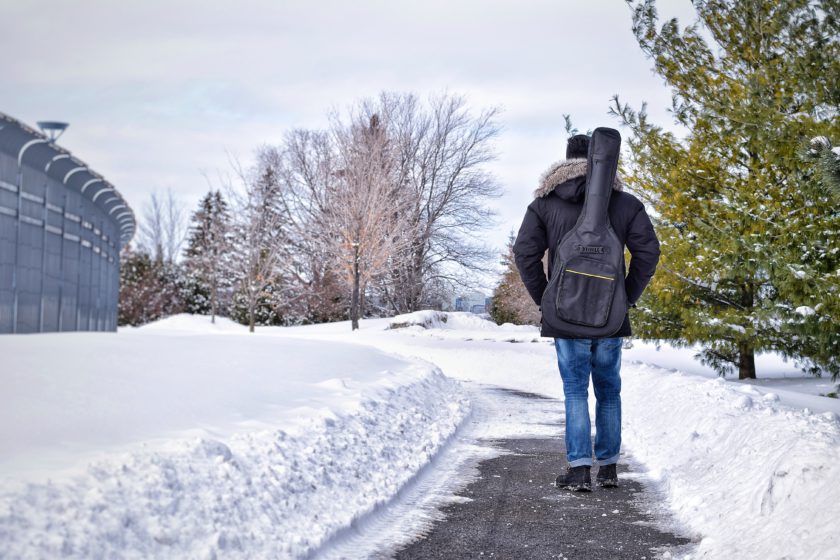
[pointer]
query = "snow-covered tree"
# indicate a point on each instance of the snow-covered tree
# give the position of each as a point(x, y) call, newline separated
point(307, 161)
point(257, 237)
point(827, 159)
point(208, 256)
point(149, 288)
point(194, 293)
point(266, 309)
point(750, 258)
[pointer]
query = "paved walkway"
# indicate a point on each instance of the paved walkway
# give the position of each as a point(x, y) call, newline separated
point(515, 512)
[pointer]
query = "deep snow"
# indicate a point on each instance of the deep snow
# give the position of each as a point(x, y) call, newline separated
point(277, 443)
point(83, 392)
point(750, 477)
point(169, 442)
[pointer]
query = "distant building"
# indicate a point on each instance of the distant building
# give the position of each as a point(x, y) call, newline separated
point(61, 230)
point(474, 303)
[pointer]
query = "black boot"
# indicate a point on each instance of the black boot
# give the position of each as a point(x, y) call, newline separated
point(576, 479)
point(607, 477)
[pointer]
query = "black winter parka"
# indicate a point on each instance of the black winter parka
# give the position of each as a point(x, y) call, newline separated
point(557, 204)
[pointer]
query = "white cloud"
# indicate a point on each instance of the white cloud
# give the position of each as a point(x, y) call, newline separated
point(158, 91)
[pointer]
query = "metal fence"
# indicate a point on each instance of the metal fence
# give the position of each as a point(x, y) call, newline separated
point(61, 230)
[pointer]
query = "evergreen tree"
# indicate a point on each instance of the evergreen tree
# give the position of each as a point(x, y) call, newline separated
point(208, 256)
point(259, 239)
point(827, 159)
point(266, 309)
point(510, 302)
point(149, 289)
point(195, 294)
point(750, 256)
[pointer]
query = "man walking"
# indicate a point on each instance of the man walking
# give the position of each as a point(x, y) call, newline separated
point(557, 204)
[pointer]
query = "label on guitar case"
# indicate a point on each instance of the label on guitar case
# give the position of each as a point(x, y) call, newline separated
point(596, 249)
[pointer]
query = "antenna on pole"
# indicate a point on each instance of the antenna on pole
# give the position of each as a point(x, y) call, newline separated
point(52, 129)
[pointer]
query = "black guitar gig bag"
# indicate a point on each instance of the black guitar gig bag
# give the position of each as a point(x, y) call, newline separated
point(585, 296)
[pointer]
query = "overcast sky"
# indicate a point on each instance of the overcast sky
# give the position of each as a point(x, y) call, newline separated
point(157, 92)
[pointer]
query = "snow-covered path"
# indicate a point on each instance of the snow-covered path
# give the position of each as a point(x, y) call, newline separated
point(735, 464)
point(502, 513)
point(494, 415)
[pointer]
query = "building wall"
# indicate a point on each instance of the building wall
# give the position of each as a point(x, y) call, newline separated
point(474, 303)
point(61, 230)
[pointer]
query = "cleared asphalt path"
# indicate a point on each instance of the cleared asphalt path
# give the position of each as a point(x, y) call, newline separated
point(514, 511)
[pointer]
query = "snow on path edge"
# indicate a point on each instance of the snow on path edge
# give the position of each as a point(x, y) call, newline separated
point(257, 494)
point(750, 477)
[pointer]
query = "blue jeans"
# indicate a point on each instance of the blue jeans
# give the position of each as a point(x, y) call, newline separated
point(576, 359)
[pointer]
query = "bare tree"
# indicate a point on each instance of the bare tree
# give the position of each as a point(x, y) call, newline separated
point(164, 227)
point(363, 219)
point(442, 152)
point(391, 200)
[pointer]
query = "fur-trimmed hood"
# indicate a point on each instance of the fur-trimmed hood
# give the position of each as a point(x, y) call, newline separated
point(563, 170)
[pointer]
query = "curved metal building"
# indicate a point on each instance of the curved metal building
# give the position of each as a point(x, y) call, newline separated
point(61, 230)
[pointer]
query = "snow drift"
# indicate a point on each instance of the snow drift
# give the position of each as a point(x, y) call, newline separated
point(174, 443)
point(750, 477)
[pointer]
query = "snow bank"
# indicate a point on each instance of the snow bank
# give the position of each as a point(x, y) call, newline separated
point(167, 443)
point(461, 325)
point(426, 319)
point(751, 477)
point(68, 396)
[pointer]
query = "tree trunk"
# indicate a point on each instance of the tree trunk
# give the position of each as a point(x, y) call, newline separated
point(416, 280)
point(746, 349)
point(354, 300)
point(252, 304)
point(746, 361)
point(391, 302)
point(362, 301)
point(213, 301)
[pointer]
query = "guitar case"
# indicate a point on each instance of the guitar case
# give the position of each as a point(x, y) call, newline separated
point(585, 296)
